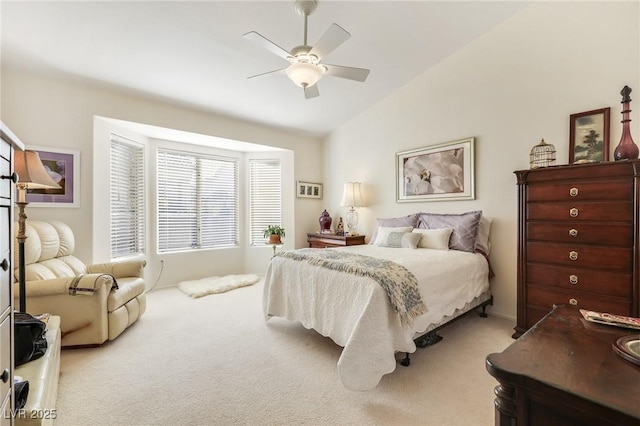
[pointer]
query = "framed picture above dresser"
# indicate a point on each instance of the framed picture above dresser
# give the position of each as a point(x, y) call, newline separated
point(578, 229)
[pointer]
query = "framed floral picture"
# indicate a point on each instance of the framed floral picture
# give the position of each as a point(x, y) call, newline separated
point(437, 172)
point(589, 136)
point(63, 166)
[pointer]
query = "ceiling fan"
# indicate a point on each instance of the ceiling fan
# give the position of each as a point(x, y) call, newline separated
point(305, 62)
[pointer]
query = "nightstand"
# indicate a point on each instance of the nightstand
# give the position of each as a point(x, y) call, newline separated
point(317, 240)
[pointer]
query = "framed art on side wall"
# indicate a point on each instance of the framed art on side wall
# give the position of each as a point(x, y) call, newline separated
point(436, 173)
point(589, 136)
point(63, 165)
point(309, 190)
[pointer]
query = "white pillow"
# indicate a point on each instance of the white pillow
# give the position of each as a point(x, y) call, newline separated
point(401, 240)
point(482, 241)
point(437, 239)
point(383, 233)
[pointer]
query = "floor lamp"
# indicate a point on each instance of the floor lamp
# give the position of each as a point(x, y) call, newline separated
point(31, 174)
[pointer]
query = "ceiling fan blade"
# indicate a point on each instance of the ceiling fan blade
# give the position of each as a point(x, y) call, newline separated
point(311, 92)
point(280, 71)
point(351, 73)
point(267, 44)
point(334, 37)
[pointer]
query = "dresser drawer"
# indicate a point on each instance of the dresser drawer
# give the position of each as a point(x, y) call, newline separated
point(614, 259)
point(619, 211)
point(581, 191)
point(5, 184)
point(317, 240)
point(5, 354)
point(5, 260)
point(581, 233)
point(591, 281)
point(5, 284)
point(545, 297)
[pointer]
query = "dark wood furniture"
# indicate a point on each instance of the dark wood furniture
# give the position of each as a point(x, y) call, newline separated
point(8, 143)
point(564, 371)
point(317, 240)
point(578, 239)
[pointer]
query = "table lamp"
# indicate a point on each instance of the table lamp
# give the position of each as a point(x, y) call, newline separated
point(352, 198)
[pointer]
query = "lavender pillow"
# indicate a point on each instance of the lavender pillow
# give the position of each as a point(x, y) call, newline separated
point(465, 227)
point(395, 222)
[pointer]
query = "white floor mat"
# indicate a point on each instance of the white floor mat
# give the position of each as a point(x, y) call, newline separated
point(212, 285)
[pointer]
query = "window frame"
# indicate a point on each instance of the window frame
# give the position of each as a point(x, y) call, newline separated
point(138, 196)
point(199, 205)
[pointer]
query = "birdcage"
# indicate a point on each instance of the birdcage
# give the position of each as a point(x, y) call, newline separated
point(542, 155)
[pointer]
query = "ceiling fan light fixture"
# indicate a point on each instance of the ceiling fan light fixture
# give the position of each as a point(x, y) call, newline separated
point(304, 74)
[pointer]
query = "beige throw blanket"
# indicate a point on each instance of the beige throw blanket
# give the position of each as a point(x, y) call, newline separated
point(85, 284)
point(400, 285)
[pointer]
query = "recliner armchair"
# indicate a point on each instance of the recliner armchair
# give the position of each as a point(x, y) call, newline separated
point(95, 303)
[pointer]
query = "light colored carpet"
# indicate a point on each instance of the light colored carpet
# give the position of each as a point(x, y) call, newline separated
point(215, 361)
point(214, 285)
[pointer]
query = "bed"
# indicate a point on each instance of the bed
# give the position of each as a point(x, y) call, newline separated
point(355, 310)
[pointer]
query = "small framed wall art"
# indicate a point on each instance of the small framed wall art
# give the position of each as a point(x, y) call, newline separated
point(589, 136)
point(436, 173)
point(63, 165)
point(309, 190)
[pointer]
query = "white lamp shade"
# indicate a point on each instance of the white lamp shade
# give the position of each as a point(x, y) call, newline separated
point(352, 197)
point(31, 171)
point(304, 74)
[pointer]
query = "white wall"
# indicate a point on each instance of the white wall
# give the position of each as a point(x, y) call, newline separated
point(55, 113)
point(510, 88)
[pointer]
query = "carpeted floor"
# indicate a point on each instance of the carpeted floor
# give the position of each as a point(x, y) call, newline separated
point(215, 361)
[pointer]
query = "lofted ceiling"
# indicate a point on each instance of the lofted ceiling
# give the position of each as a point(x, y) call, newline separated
point(193, 53)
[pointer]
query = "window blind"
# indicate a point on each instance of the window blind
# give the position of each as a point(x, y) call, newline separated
point(265, 197)
point(127, 219)
point(197, 201)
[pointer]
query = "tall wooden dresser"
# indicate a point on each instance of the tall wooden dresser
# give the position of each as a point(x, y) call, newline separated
point(8, 144)
point(578, 229)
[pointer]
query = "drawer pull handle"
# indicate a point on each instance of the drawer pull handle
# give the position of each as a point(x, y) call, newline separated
point(573, 279)
point(13, 177)
point(573, 255)
point(5, 376)
point(573, 192)
point(573, 212)
point(4, 264)
point(573, 232)
point(573, 302)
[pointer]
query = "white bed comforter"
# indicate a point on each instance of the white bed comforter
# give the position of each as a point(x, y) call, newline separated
point(355, 311)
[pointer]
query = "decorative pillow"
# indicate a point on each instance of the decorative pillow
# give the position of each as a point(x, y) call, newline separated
point(465, 227)
point(401, 240)
point(437, 239)
point(383, 233)
point(409, 220)
point(482, 242)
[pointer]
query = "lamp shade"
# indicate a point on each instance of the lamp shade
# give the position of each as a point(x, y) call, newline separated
point(352, 197)
point(304, 74)
point(31, 171)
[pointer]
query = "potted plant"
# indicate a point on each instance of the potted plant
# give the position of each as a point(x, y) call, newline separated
point(275, 234)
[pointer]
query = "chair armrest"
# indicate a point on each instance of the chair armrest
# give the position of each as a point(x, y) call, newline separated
point(55, 286)
point(129, 268)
